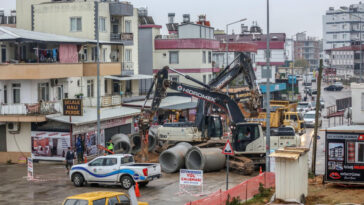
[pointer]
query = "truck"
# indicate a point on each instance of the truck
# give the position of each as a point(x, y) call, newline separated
point(307, 80)
point(115, 169)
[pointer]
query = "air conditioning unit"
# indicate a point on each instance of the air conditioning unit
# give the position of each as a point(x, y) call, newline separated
point(13, 126)
point(54, 82)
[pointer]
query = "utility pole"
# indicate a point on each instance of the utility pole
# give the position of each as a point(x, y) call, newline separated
point(267, 168)
point(318, 105)
point(98, 139)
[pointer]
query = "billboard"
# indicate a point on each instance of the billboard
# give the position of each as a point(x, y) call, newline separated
point(344, 158)
point(50, 145)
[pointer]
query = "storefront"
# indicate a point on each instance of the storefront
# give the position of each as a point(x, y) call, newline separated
point(344, 159)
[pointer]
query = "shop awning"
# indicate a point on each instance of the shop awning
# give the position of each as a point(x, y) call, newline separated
point(133, 77)
point(90, 115)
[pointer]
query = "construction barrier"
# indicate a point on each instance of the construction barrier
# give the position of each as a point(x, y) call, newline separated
point(245, 190)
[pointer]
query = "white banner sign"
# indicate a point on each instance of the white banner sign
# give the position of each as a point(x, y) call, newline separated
point(30, 168)
point(190, 177)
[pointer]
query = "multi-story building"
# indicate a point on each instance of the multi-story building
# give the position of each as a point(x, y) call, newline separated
point(345, 60)
point(341, 27)
point(188, 50)
point(37, 71)
point(9, 20)
point(307, 48)
point(117, 29)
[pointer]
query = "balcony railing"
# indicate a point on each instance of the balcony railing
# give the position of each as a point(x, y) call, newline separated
point(126, 38)
point(110, 100)
point(43, 108)
point(127, 68)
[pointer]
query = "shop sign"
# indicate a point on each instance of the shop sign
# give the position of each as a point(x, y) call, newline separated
point(72, 107)
point(103, 125)
point(344, 158)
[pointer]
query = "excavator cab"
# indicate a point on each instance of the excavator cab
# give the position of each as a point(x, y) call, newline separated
point(244, 134)
point(214, 126)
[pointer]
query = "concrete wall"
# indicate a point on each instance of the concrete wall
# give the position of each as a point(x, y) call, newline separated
point(56, 18)
point(19, 142)
point(23, 13)
point(195, 31)
point(188, 58)
point(357, 95)
point(277, 55)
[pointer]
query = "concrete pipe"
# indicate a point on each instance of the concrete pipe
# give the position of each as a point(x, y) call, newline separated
point(173, 159)
point(206, 159)
point(121, 143)
point(136, 142)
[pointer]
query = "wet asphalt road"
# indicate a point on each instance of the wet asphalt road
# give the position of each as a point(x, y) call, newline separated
point(52, 186)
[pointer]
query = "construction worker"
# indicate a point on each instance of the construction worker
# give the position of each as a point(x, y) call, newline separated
point(110, 146)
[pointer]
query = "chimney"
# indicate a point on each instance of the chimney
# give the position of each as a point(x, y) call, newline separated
point(171, 17)
point(186, 18)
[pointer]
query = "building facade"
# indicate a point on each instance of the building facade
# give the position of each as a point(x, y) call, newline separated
point(307, 48)
point(189, 51)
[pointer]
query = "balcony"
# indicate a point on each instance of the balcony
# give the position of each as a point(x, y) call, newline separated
point(34, 71)
point(120, 9)
point(107, 101)
point(125, 38)
point(127, 68)
point(44, 108)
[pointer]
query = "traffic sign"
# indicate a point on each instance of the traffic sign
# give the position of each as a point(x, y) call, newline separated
point(228, 149)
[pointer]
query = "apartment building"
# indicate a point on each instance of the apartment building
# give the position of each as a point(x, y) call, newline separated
point(117, 29)
point(188, 49)
point(343, 26)
point(345, 60)
point(307, 48)
point(38, 70)
point(8, 19)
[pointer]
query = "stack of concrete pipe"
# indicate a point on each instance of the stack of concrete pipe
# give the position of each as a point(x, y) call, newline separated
point(136, 142)
point(173, 159)
point(184, 155)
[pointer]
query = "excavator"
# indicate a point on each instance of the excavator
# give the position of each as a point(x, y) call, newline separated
point(247, 138)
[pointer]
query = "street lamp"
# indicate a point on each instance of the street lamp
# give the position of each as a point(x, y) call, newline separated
point(344, 8)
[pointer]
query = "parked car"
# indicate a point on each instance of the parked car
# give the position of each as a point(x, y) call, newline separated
point(100, 198)
point(304, 107)
point(115, 169)
point(309, 118)
point(333, 88)
point(314, 92)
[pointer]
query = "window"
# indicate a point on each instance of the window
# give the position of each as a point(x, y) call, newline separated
point(94, 54)
point(124, 199)
point(16, 93)
point(97, 162)
point(105, 85)
point(104, 54)
point(209, 56)
point(110, 161)
point(5, 94)
point(128, 55)
point(174, 78)
point(113, 200)
point(334, 36)
point(85, 53)
point(173, 57)
point(210, 76)
point(76, 202)
point(125, 160)
point(204, 79)
point(99, 202)
point(76, 24)
point(127, 26)
point(90, 88)
point(43, 91)
point(3, 53)
point(355, 152)
point(59, 91)
point(362, 101)
point(203, 56)
point(128, 87)
point(344, 37)
point(102, 24)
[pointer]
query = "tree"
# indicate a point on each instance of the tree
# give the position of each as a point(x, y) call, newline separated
point(301, 63)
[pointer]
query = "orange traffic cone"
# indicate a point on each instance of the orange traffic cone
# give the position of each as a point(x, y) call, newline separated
point(260, 170)
point(85, 157)
point(137, 192)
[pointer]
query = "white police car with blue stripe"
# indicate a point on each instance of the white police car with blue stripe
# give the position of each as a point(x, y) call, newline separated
point(114, 169)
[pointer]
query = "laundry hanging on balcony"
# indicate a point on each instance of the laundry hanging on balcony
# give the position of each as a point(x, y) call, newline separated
point(68, 53)
point(47, 55)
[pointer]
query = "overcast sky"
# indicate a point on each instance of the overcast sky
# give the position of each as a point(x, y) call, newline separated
point(288, 16)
